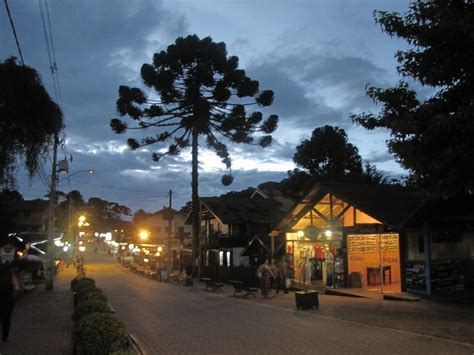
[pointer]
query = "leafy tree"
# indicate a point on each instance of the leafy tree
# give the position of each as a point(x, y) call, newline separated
point(9, 199)
point(432, 138)
point(139, 216)
point(29, 118)
point(103, 214)
point(68, 208)
point(201, 93)
point(328, 154)
point(296, 184)
point(372, 176)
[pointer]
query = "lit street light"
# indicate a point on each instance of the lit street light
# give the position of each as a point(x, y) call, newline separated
point(56, 169)
point(144, 234)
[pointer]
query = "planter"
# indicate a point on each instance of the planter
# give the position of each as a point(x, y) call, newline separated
point(306, 299)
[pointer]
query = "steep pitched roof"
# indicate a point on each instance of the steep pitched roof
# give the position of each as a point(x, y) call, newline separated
point(391, 204)
point(243, 210)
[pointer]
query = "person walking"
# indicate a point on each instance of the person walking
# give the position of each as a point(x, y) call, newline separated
point(265, 274)
point(8, 285)
point(282, 274)
point(275, 278)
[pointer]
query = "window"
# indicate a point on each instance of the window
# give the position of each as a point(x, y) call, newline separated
point(221, 258)
point(228, 258)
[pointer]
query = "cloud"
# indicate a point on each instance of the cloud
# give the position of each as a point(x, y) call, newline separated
point(311, 56)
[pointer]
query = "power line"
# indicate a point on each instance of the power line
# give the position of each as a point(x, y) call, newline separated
point(53, 51)
point(139, 198)
point(48, 37)
point(118, 188)
point(14, 32)
point(52, 66)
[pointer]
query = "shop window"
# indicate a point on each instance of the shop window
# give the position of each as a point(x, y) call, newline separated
point(228, 258)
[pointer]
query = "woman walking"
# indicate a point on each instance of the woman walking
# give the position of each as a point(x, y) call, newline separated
point(8, 284)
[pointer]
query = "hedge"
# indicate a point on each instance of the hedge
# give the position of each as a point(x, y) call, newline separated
point(100, 333)
point(96, 296)
point(87, 307)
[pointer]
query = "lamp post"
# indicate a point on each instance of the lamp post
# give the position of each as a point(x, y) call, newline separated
point(52, 211)
point(51, 220)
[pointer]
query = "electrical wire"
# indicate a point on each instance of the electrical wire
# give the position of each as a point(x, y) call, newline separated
point(14, 32)
point(53, 51)
point(118, 188)
point(52, 65)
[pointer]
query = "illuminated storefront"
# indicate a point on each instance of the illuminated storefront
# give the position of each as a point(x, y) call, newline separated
point(334, 243)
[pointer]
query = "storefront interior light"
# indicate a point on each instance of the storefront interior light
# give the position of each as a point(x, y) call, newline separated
point(82, 248)
point(328, 233)
point(131, 246)
point(160, 249)
point(300, 234)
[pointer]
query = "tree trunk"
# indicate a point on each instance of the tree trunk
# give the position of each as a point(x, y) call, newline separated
point(195, 207)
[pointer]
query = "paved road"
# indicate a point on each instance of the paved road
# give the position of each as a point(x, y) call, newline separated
point(172, 319)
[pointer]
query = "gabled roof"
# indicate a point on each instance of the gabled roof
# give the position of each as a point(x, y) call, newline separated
point(243, 210)
point(284, 203)
point(393, 205)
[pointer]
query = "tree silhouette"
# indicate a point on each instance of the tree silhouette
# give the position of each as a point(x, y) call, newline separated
point(328, 154)
point(431, 138)
point(29, 118)
point(201, 93)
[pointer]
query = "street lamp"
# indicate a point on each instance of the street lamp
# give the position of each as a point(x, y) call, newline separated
point(55, 170)
point(144, 234)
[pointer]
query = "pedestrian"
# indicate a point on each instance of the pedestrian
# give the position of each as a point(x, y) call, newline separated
point(282, 274)
point(8, 285)
point(265, 275)
point(275, 278)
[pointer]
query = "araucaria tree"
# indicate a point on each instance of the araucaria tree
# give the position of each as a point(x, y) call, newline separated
point(433, 137)
point(201, 93)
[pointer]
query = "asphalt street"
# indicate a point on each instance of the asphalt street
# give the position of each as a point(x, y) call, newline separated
point(166, 318)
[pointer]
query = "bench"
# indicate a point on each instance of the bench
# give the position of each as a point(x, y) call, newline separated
point(211, 285)
point(240, 288)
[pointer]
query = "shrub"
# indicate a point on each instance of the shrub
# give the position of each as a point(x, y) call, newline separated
point(83, 283)
point(88, 307)
point(83, 290)
point(100, 333)
point(96, 295)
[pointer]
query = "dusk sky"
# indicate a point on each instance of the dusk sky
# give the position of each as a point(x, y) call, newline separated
point(317, 56)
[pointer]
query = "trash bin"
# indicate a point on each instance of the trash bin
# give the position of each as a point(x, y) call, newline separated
point(307, 299)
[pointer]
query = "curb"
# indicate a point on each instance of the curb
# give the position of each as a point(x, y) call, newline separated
point(135, 344)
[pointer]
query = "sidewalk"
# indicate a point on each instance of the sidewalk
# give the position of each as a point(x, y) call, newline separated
point(440, 320)
point(41, 321)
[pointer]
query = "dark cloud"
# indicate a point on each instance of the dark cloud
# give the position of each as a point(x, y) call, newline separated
point(102, 44)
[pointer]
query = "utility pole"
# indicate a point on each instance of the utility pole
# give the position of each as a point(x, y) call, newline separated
point(168, 261)
point(52, 219)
